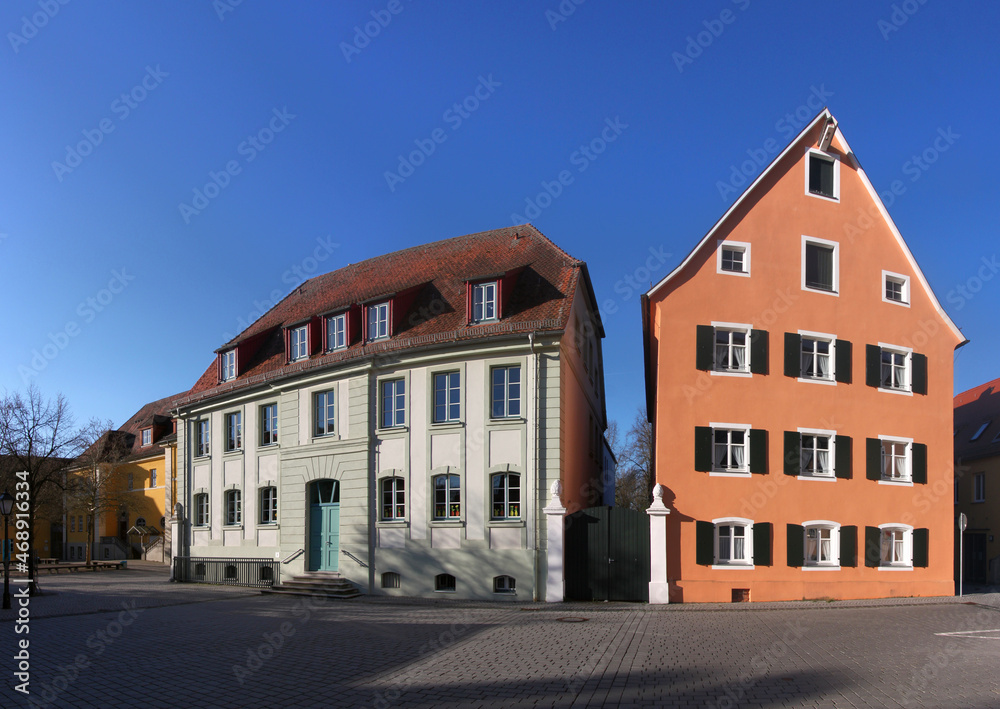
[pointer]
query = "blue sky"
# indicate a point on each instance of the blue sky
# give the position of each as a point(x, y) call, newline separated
point(290, 119)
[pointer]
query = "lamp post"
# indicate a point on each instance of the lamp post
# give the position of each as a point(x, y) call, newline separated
point(6, 505)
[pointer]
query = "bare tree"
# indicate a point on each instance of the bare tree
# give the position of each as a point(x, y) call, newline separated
point(636, 477)
point(97, 481)
point(37, 438)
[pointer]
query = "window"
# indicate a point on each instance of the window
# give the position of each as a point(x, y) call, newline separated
point(82, 528)
point(895, 370)
point(201, 510)
point(140, 521)
point(444, 582)
point(324, 408)
point(822, 544)
point(979, 488)
point(268, 424)
point(506, 396)
point(147, 436)
point(393, 499)
point(820, 265)
point(447, 496)
point(234, 431)
point(203, 439)
point(506, 496)
point(733, 542)
point(733, 258)
point(390, 579)
point(816, 455)
point(895, 548)
point(378, 321)
point(504, 584)
point(895, 288)
point(982, 429)
point(816, 360)
point(447, 397)
point(269, 505)
point(228, 365)
point(895, 460)
point(822, 175)
point(729, 450)
point(299, 340)
point(72, 523)
point(484, 302)
point(336, 331)
point(131, 481)
point(152, 477)
point(234, 509)
point(393, 403)
point(731, 350)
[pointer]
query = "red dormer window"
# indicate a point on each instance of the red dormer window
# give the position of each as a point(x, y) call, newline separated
point(298, 339)
point(227, 366)
point(486, 297)
point(377, 321)
point(484, 302)
point(147, 436)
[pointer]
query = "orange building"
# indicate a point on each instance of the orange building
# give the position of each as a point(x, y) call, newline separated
point(799, 377)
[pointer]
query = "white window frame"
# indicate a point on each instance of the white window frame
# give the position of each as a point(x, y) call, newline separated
point(147, 437)
point(377, 315)
point(979, 487)
point(908, 455)
point(232, 508)
point(731, 327)
point(229, 417)
point(507, 501)
point(274, 427)
point(810, 151)
point(330, 402)
point(505, 584)
point(743, 472)
point(832, 450)
point(152, 478)
point(907, 545)
point(447, 489)
point(821, 524)
point(268, 510)
point(904, 283)
point(507, 398)
point(202, 512)
point(820, 337)
point(203, 439)
point(448, 391)
point(298, 343)
point(336, 332)
point(907, 353)
point(747, 524)
point(480, 291)
point(815, 240)
point(228, 365)
point(741, 246)
point(396, 487)
point(398, 412)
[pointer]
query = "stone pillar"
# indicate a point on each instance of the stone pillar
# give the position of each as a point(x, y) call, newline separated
point(555, 581)
point(659, 588)
point(176, 520)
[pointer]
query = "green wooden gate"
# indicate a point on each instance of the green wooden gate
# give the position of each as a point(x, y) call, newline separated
point(607, 555)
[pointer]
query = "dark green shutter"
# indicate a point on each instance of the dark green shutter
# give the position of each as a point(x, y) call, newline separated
point(842, 361)
point(793, 354)
point(873, 459)
point(793, 453)
point(705, 347)
point(921, 541)
point(919, 364)
point(920, 463)
point(848, 546)
point(758, 352)
point(873, 365)
point(843, 457)
point(794, 535)
point(704, 543)
point(758, 451)
point(762, 544)
point(873, 546)
point(702, 449)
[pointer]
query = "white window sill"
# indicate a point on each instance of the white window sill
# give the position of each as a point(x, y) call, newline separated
point(450, 590)
point(732, 567)
point(507, 419)
point(393, 429)
point(896, 483)
point(332, 436)
point(232, 527)
point(895, 302)
point(821, 568)
point(901, 392)
point(823, 291)
point(733, 273)
point(265, 446)
point(505, 523)
point(835, 200)
point(728, 373)
point(234, 452)
point(268, 525)
point(447, 424)
point(447, 523)
point(725, 474)
point(392, 523)
point(821, 478)
point(894, 568)
point(818, 380)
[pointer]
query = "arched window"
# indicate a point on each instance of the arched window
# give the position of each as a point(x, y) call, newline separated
point(447, 496)
point(503, 584)
point(393, 498)
point(269, 505)
point(445, 583)
point(506, 496)
point(390, 579)
point(234, 507)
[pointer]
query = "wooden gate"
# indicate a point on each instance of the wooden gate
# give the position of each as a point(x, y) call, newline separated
point(607, 555)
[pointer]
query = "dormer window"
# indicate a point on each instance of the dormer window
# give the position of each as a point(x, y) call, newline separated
point(299, 339)
point(228, 365)
point(147, 436)
point(378, 321)
point(484, 301)
point(336, 332)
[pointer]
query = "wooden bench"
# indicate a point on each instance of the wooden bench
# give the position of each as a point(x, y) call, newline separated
point(72, 566)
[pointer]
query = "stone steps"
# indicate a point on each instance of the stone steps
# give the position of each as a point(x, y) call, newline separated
point(326, 584)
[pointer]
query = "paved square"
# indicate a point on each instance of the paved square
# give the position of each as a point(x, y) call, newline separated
point(132, 639)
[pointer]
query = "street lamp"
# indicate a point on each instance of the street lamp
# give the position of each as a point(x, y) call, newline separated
point(6, 505)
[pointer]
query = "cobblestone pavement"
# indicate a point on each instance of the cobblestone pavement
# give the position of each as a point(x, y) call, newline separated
point(129, 639)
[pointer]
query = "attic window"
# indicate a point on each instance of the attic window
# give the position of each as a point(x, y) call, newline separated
point(822, 175)
point(981, 430)
point(299, 343)
point(484, 301)
point(147, 436)
point(378, 321)
point(228, 365)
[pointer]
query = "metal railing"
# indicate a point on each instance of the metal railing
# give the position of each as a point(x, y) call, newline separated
point(255, 573)
point(351, 556)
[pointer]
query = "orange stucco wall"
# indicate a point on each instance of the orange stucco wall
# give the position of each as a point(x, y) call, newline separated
point(772, 299)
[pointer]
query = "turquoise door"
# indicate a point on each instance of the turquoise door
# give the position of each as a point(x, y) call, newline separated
point(324, 525)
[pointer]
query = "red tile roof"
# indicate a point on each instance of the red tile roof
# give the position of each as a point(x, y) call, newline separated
point(540, 301)
point(973, 408)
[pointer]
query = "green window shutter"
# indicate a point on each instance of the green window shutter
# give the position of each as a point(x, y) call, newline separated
point(758, 352)
point(873, 365)
point(873, 459)
point(919, 474)
point(849, 546)
point(919, 364)
point(793, 354)
point(705, 347)
point(702, 449)
point(842, 361)
point(873, 546)
point(921, 541)
point(795, 538)
point(843, 457)
point(758, 451)
point(704, 543)
point(793, 453)
point(762, 544)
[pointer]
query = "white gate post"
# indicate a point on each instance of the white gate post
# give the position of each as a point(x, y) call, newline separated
point(176, 520)
point(659, 588)
point(555, 576)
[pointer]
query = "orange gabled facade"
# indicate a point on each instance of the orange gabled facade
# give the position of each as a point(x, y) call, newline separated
point(799, 374)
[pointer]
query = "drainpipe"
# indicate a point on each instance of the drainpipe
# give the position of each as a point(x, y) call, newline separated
point(536, 596)
point(372, 478)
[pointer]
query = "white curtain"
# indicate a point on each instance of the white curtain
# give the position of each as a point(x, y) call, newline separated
point(738, 455)
point(740, 355)
point(739, 550)
point(825, 550)
point(722, 356)
point(823, 461)
point(824, 365)
point(901, 467)
point(811, 546)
